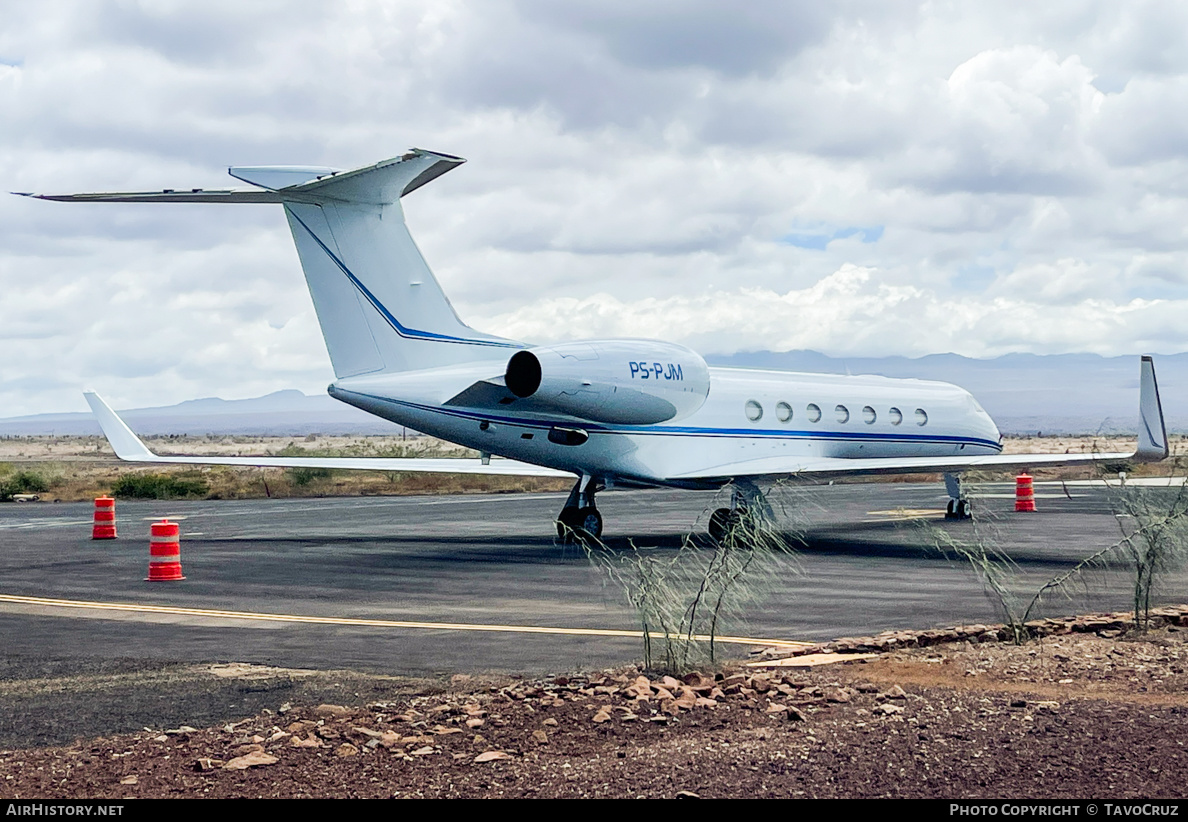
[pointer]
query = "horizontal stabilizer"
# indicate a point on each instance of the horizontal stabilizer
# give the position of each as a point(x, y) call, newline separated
point(168, 195)
point(385, 182)
point(278, 177)
point(379, 184)
point(130, 448)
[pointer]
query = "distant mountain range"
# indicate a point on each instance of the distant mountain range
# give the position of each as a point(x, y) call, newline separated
point(1024, 393)
point(283, 413)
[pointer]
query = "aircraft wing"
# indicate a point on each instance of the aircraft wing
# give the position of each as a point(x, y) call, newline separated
point(1152, 447)
point(129, 447)
point(824, 468)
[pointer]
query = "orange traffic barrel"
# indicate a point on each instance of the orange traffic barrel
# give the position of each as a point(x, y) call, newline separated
point(164, 552)
point(104, 526)
point(1024, 493)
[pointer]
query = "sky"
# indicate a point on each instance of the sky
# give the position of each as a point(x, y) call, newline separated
point(855, 178)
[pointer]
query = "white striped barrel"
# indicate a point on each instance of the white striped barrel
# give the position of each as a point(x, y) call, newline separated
point(164, 552)
point(104, 526)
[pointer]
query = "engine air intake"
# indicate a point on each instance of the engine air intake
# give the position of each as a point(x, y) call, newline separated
point(523, 374)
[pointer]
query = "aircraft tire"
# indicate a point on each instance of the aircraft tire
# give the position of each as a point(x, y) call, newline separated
point(590, 522)
point(720, 523)
point(575, 523)
point(567, 524)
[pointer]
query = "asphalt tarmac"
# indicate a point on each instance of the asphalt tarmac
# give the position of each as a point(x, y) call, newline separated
point(863, 566)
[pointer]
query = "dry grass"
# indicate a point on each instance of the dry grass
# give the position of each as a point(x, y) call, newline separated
point(81, 468)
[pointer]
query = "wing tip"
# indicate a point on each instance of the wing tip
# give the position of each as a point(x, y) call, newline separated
point(123, 440)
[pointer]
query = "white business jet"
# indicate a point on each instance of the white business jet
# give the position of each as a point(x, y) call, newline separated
point(617, 412)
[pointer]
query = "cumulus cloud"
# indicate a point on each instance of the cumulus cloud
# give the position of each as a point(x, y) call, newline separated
point(857, 178)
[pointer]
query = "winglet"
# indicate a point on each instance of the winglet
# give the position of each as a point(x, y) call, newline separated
point(126, 444)
point(1152, 442)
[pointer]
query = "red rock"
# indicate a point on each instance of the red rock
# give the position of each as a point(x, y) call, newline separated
point(491, 756)
point(331, 710)
point(255, 759)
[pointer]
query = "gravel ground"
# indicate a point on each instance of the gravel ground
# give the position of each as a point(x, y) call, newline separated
point(1075, 716)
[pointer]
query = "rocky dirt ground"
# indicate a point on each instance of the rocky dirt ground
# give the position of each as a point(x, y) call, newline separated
point(1073, 714)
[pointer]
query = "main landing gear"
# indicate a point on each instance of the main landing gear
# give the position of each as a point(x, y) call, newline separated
point(959, 507)
point(580, 518)
point(748, 506)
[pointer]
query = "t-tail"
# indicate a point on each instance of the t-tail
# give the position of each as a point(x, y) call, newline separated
point(380, 307)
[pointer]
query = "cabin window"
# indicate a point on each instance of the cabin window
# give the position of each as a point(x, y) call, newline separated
point(754, 411)
point(843, 413)
point(921, 417)
point(895, 415)
point(869, 415)
point(783, 411)
point(814, 412)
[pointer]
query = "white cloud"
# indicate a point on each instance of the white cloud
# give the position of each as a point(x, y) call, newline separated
point(634, 170)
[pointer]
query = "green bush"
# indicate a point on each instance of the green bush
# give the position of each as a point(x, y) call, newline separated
point(27, 482)
point(302, 477)
point(23, 482)
point(159, 486)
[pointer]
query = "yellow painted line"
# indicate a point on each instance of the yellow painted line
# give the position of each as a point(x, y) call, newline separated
point(375, 623)
point(907, 513)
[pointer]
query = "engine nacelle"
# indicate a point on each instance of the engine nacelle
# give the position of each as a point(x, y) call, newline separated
point(627, 382)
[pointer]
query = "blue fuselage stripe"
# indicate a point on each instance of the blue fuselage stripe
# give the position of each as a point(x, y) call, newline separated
point(691, 431)
point(408, 333)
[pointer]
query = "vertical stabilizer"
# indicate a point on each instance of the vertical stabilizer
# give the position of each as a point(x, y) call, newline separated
point(379, 305)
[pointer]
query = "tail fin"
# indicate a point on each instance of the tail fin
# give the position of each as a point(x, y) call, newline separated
point(379, 306)
point(1152, 439)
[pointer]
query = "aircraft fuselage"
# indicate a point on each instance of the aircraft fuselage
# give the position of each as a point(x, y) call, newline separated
point(749, 415)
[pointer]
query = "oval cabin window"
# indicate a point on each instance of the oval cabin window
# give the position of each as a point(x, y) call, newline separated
point(783, 411)
point(895, 415)
point(814, 412)
point(843, 413)
point(869, 415)
point(921, 417)
point(754, 411)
